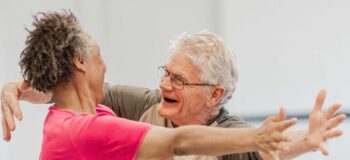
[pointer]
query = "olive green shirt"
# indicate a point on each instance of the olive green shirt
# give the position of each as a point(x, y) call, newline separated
point(140, 104)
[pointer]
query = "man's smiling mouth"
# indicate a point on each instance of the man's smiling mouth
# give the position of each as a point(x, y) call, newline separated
point(169, 100)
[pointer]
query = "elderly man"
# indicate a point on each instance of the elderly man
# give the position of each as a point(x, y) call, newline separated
point(196, 83)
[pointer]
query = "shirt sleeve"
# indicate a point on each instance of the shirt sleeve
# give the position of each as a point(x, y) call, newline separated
point(129, 102)
point(242, 156)
point(234, 121)
point(107, 137)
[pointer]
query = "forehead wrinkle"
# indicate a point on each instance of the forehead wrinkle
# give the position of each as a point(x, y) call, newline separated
point(180, 73)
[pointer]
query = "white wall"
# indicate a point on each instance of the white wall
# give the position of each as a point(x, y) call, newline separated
point(286, 50)
point(139, 33)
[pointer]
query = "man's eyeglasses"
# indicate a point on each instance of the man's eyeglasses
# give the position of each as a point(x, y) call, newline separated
point(175, 80)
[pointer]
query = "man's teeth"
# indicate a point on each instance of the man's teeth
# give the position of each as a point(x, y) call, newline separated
point(170, 100)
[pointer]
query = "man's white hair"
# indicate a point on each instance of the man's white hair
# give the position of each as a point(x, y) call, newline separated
point(212, 57)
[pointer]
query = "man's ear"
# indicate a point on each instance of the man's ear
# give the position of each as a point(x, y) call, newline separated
point(79, 63)
point(216, 95)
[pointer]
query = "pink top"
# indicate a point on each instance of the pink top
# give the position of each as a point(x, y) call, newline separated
point(71, 136)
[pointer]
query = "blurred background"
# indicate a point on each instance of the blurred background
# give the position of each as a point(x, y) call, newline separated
point(286, 52)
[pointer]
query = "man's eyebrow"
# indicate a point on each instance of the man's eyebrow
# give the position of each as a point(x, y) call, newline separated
point(180, 75)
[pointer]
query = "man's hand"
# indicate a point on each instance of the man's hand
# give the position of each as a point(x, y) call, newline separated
point(321, 124)
point(270, 134)
point(11, 93)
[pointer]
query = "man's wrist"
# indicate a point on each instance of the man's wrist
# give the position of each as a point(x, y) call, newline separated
point(255, 138)
point(22, 86)
point(308, 143)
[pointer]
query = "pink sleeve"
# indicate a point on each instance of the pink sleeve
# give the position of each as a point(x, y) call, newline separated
point(107, 137)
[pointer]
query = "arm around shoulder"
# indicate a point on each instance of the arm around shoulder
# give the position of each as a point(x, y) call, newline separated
point(128, 101)
point(11, 93)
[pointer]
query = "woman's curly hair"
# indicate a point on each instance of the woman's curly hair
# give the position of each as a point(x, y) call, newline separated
point(51, 46)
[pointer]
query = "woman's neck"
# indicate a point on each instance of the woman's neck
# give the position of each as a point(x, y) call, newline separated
point(76, 97)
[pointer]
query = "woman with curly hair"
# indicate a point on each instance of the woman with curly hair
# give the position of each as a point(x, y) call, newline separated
point(60, 57)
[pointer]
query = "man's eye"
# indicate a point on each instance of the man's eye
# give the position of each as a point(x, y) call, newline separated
point(177, 80)
point(165, 74)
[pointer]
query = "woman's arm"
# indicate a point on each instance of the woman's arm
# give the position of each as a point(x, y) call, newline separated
point(200, 140)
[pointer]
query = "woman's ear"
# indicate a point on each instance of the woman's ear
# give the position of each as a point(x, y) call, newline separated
point(79, 63)
point(216, 95)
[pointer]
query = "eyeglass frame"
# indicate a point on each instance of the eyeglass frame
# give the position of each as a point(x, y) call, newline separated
point(174, 79)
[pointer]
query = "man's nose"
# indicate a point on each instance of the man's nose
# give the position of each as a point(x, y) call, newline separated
point(165, 83)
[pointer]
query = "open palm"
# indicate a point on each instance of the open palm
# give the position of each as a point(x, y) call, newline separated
point(322, 124)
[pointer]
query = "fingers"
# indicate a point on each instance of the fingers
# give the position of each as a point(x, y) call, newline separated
point(274, 145)
point(8, 115)
point(332, 110)
point(5, 130)
point(284, 148)
point(282, 114)
point(271, 119)
point(10, 107)
point(15, 106)
point(278, 137)
point(284, 138)
point(323, 149)
point(321, 96)
point(288, 123)
point(277, 118)
point(333, 134)
point(335, 121)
